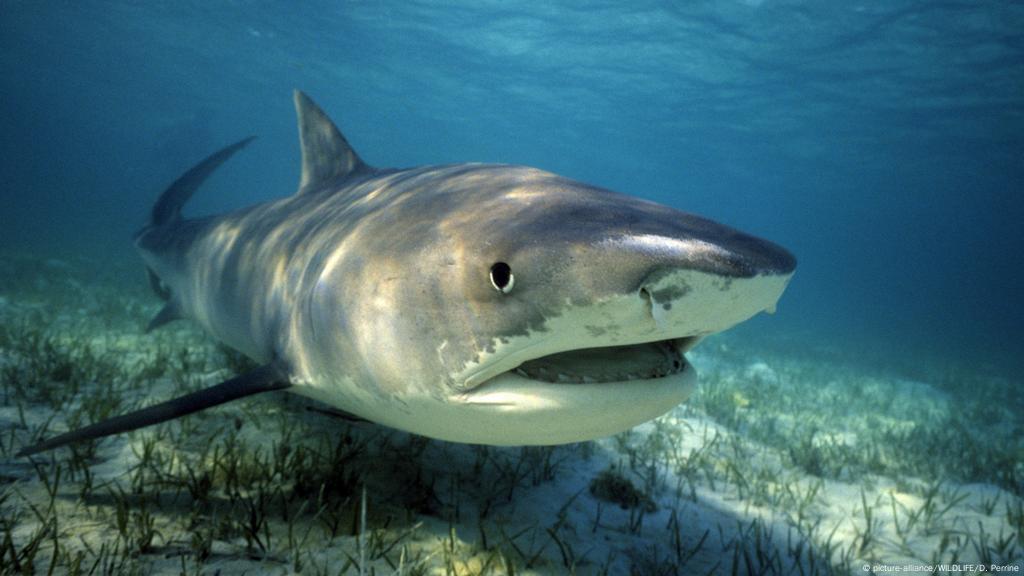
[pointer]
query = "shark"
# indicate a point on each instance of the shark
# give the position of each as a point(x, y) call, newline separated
point(477, 303)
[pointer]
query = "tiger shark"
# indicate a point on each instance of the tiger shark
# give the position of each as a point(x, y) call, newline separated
point(478, 303)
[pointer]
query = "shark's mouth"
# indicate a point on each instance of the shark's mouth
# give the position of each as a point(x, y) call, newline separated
point(624, 363)
point(574, 395)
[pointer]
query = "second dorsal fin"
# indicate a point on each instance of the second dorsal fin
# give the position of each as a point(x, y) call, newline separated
point(326, 155)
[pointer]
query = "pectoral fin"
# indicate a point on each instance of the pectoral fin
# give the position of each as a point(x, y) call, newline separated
point(169, 313)
point(263, 379)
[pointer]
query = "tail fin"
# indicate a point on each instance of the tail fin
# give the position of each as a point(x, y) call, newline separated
point(168, 206)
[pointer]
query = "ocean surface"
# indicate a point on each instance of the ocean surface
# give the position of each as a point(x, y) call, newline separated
point(880, 142)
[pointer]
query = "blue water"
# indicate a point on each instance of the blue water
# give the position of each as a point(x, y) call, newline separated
point(882, 142)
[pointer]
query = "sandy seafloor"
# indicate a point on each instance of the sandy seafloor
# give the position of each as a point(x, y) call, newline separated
point(785, 461)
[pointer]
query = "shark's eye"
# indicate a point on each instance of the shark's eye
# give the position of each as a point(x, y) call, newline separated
point(502, 278)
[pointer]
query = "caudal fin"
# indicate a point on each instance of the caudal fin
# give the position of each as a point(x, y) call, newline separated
point(168, 206)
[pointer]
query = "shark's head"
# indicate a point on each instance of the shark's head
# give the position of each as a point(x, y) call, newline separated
point(507, 305)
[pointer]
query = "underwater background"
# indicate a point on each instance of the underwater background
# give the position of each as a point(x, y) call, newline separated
point(881, 142)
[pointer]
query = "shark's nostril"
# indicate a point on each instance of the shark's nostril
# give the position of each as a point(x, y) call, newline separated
point(645, 295)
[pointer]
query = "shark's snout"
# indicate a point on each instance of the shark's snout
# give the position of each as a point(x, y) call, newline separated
point(729, 254)
point(699, 285)
point(748, 256)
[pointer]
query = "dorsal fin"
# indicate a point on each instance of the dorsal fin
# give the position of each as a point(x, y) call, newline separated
point(326, 155)
point(168, 206)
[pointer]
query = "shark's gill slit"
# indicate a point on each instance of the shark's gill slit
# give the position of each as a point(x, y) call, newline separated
point(610, 363)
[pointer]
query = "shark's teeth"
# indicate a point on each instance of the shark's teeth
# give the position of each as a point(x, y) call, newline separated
point(611, 364)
